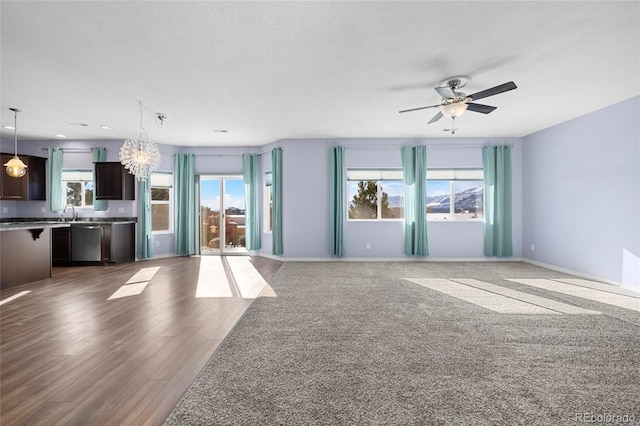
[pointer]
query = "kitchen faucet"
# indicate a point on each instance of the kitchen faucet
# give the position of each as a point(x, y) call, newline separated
point(73, 211)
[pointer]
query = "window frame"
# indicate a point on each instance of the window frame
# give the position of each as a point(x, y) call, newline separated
point(379, 176)
point(82, 182)
point(453, 175)
point(170, 202)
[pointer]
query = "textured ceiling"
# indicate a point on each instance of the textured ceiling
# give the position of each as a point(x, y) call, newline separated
point(265, 71)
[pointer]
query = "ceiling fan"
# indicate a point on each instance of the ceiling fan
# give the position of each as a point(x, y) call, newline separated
point(455, 103)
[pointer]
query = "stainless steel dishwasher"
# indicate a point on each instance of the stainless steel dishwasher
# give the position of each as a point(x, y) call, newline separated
point(86, 243)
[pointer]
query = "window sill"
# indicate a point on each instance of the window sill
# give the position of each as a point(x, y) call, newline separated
point(376, 220)
point(455, 221)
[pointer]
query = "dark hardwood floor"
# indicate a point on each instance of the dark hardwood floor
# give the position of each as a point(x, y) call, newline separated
point(70, 356)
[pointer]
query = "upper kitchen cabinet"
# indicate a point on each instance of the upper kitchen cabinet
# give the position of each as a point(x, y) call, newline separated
point(114, 182)
point(31, 186)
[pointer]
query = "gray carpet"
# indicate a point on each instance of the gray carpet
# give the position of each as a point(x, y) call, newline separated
point(350, 343)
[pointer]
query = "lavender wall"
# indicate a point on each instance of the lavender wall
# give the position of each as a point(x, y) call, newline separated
point(582, 194)
point(71, 159)
point(306, 194)
point(208, 161)
point(306, 199)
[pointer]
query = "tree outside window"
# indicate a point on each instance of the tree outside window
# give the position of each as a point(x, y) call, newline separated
point(161, 202)
point(375, 194)
point(78, 187)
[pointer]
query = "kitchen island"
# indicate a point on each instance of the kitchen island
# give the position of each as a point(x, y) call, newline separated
point(30, 247)
point(25, 252)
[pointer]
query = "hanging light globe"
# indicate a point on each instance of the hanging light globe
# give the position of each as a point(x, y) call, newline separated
point(15, 167)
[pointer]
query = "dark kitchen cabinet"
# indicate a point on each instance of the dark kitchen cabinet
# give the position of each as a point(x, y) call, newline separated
point(114, 182)
point(60, 246)
point(31, 186)
point(118, 243)
point(36, 178)
point(12, 188)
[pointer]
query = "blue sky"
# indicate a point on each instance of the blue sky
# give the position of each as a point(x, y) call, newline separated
point(210, 193)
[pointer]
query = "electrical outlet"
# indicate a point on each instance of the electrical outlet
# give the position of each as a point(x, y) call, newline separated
point(368, 246)
point(5, 210)
point(157, 243)
point(532, 247)
point(120, 209)
point(42, 209)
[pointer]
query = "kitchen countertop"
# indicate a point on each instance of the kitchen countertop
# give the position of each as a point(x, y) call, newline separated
point(19, 226)
point(22, 224)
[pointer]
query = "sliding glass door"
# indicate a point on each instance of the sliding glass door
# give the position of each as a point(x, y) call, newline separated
point(222, 215)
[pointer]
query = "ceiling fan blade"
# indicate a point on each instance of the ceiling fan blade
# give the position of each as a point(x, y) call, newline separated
point(445, 92)
point(436, 117)
point(494, 91)
point(416, 109)
point(484, 109)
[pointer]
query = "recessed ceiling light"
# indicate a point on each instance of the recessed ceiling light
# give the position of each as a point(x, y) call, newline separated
point(105, 127)
point(80, 124)
point(60, 136)
point(9, 127)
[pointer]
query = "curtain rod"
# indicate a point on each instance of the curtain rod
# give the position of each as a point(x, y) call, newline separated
point(74, 150)
point(230, 155)
point(88, 150)
point(385, 147)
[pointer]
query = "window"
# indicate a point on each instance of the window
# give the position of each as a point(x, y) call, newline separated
point(78, 185)
point(375, 194)
point(455, 194)
point(268, 202)
point(161, 202)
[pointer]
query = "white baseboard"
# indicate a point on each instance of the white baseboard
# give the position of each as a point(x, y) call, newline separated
point(389, 259)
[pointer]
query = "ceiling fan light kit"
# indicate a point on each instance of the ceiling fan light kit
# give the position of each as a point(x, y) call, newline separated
point(453, 109)
point(454, 103)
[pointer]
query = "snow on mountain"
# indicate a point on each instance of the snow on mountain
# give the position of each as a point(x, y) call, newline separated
point(471, 200)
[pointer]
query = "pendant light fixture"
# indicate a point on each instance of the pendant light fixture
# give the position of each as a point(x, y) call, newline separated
point(139, 155)
point(15, 167)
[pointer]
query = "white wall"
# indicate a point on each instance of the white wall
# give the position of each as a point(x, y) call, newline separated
point(582, 194)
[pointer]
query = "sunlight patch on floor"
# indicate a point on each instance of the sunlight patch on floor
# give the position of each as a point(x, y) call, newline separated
point(129, 290)
point(598, 295)
point(526, 297)
point(144, 274)
point(136, 284)
point(248, 280)
point(212, 278)
point(14, 297)
point(600, 286)
point(231, 276)
point(485, 299)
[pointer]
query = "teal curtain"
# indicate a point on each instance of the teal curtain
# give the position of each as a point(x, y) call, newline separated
point(185, 206)
point(276, 227)
point(414, 169)
point(99, 155)
point(250, 176)
point(337, 181)
point(145, 248)
point(57, 198)
point(497, 200)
